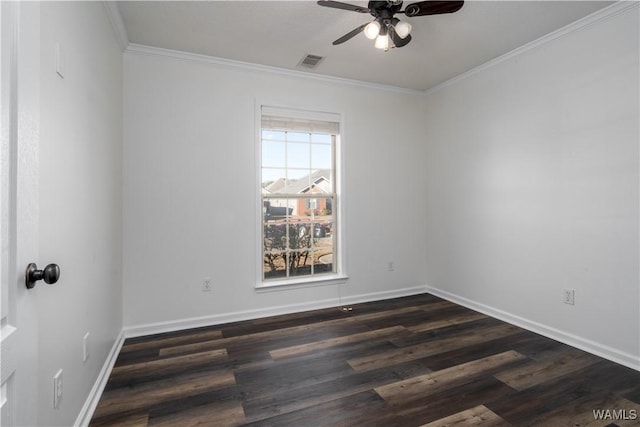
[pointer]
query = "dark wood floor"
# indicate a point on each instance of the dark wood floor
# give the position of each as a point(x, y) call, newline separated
point(414, 361)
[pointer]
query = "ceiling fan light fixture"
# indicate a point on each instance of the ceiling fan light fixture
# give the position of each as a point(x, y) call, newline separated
point(403, 29)
point(383, 41)
point(387, 30)
point(372, 30)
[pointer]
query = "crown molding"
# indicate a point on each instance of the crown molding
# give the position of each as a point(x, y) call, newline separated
point(589, 20)
point(117, 23)
point(138, 49)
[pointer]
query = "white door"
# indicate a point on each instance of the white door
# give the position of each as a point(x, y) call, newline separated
point(19, 111)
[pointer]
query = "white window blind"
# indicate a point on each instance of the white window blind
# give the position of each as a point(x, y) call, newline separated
point(300, 121)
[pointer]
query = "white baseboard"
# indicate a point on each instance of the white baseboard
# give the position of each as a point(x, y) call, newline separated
point(604, 351)
point(219, 319)
point(89, 407)
point(383, 295)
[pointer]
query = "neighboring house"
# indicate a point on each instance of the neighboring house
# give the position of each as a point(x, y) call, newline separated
point(319, 182)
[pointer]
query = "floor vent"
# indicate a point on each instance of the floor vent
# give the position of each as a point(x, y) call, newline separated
point(310, 61)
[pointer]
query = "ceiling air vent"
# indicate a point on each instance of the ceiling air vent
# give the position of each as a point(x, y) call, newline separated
point(310, 61)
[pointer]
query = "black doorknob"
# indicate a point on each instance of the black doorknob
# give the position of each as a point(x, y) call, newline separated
point(50, 274)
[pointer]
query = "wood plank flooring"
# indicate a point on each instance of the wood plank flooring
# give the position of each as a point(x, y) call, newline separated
point(413, 361)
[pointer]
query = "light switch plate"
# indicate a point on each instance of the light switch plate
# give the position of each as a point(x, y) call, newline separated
point(85, 347)
point(57, 389)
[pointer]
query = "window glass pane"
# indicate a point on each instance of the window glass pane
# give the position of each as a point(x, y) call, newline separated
point(298, 238)
point(273, 180)
point(300, 263)
point(321, 156)
point(324, 209)
point(274, 251)
point(276, 209)
point(273, 154)
point(298, 181)
point(297, 210)
point(321, 182)
point(298, 155)
point(321, 138)
point(323, 254)
point(298, 136)
point(272, 135)
point(298, 175)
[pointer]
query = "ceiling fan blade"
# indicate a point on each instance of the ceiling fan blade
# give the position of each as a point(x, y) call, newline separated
point(432, 7)
point(343, 6)
point(350, 34)
point(397, 40)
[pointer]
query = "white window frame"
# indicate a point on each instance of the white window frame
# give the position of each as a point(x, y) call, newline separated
point(339, 276)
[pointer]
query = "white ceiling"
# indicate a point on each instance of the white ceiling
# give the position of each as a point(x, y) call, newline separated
point(280, 33)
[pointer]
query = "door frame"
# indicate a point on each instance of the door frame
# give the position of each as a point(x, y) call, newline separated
point(19, 209)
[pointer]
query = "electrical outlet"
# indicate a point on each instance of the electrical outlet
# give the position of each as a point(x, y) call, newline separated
point(391, 266)
point(206, 284)
point(85, 347)
point(570, 296)
point(57, 389)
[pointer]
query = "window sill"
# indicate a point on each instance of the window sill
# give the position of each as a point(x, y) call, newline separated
point(281, 285)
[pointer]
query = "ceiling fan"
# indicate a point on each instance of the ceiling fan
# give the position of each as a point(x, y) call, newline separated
point(387, 30)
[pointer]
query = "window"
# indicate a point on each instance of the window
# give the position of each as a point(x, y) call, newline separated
point(299, 194)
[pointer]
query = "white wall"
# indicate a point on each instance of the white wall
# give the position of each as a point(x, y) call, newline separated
point(190, 200)
point(532, 187)
point(499, 190)
point(80, 202)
